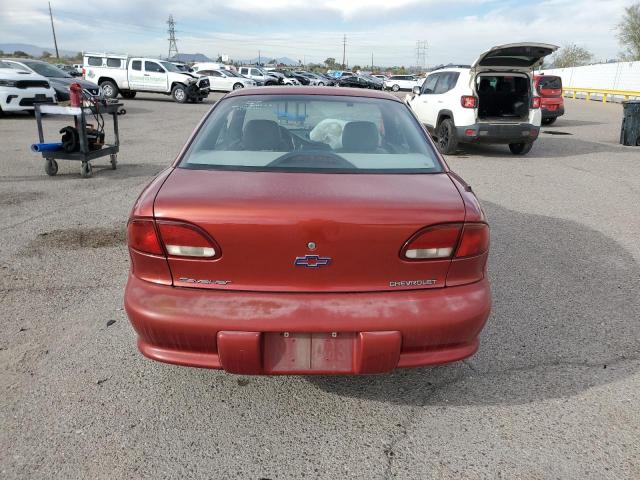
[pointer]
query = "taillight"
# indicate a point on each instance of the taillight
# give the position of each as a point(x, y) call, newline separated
point(435, 242)
point(141, 236)
point(452, 240)
point(474, 240)
point(185, 240)
point(535, 103)
point(469, 101)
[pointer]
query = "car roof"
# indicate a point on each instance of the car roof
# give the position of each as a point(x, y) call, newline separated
point(320, 91)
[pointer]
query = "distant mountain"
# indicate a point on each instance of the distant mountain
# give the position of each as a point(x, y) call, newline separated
point(280, 60)
point(33, 49)
point(190, 57)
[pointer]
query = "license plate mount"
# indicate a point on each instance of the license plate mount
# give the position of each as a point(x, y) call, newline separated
point(289, 352)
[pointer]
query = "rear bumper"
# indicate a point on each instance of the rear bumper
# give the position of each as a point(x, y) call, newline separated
point(557, 112)
point(498, 133)
point(254, 332)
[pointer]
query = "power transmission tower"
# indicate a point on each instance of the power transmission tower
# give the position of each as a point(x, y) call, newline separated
point(55, 42)
point(173, 47)
point(344, 50)
point(421, 53)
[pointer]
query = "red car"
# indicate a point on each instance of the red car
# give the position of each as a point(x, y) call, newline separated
point(549, 87)
point(308, 231)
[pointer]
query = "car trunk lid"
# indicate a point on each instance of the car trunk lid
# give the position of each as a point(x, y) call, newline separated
point(308, 232)
point(517, 57)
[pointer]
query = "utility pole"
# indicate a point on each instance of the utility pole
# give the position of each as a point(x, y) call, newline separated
point(259, 57)
point(372, 61)
point(173, 47)
point(55, 42)
point(344, 50)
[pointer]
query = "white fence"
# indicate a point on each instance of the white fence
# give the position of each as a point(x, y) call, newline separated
point(621, 76)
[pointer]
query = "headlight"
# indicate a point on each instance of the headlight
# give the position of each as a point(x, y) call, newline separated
point(8, 83)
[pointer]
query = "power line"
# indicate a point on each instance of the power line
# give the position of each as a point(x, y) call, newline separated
point(55, 42)
point(421, 53)
point(173, 47)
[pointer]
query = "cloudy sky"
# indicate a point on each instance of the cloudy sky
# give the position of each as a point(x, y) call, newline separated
point(312, 30)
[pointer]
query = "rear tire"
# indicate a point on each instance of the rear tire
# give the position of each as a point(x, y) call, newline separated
point(549, 121)
point(179, 94)
point(520, 148)
point(446, 137)
point(109, 89)
point(238, 86)
point(395, 88)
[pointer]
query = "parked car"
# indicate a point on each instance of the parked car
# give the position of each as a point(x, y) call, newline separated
point(183, 67)
point(402, 82)
point(549, 87)
point(339, 74)
point(491, 102)
point(225, 80)
point(20, 90)
point(210, 66)
point(258, 75)
point(124, 75)
point(380, 76)
point(359, 82)
point(288, 77)
point(226, 274)
point(70, 69)
point(58, 79)
point(313, 78)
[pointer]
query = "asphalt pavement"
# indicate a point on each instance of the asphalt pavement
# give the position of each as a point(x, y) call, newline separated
point(552, 393)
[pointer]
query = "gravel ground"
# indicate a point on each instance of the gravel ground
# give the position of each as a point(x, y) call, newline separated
point(553, 392)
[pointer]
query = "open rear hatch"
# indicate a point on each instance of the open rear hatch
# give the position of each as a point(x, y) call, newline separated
point(303, 232)
point(515, 57)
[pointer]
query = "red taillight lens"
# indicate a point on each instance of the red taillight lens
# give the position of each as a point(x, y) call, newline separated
point(141, 236)
point(435, 242)
point(474, 240)
point(468, 101)
point(184, 240)
point(535, 103)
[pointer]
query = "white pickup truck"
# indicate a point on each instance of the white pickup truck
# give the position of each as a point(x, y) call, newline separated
point(124, 75)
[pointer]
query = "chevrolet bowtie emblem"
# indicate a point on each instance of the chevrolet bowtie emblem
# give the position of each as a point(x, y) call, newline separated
point(312, 261)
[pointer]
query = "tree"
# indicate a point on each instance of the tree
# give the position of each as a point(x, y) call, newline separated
point(629, 33)
point(571, 56)
point(20, 53)
point(356, 68)
point(330, 63)
point(46, 54)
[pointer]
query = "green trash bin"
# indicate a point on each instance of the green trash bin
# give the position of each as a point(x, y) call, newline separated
point(630, 132)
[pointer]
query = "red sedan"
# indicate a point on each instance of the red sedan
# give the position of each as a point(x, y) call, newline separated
point(308, 231)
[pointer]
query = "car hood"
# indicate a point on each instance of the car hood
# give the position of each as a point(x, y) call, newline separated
point(11, 74)
point(64, 83)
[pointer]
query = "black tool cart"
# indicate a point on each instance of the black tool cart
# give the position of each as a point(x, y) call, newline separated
point(84, 141)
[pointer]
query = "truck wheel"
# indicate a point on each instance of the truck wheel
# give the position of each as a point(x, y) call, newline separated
point(395, 88)
point(109, 89)
point(128, 94)
point(549, 121)
point(238, 86)
point(447, 140)
point(520, 148)
point(179, 93)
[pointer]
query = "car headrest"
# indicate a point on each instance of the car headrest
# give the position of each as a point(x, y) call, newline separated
point(360, 137)
point(262, 135)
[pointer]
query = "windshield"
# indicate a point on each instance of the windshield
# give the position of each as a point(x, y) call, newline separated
point(312, 133)
point(47, 70)
point(171, 67)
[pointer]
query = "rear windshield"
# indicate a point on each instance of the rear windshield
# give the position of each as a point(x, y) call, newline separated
point(550, 82)
point(313, 134)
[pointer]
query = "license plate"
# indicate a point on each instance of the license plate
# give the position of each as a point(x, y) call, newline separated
point(308, 352)
point(552, 108)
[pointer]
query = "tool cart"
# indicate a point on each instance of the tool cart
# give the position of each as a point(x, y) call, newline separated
point(83, 142)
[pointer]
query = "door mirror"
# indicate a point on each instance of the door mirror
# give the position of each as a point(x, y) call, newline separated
point(416, 90)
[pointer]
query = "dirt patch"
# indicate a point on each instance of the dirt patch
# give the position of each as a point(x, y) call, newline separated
point(73, 238)
point(11, 199)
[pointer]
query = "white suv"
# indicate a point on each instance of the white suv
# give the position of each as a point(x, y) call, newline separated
point(20, 90)
point(402, 82)
point(493, 101)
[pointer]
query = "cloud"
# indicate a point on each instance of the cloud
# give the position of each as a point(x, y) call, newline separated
point(456, 30)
